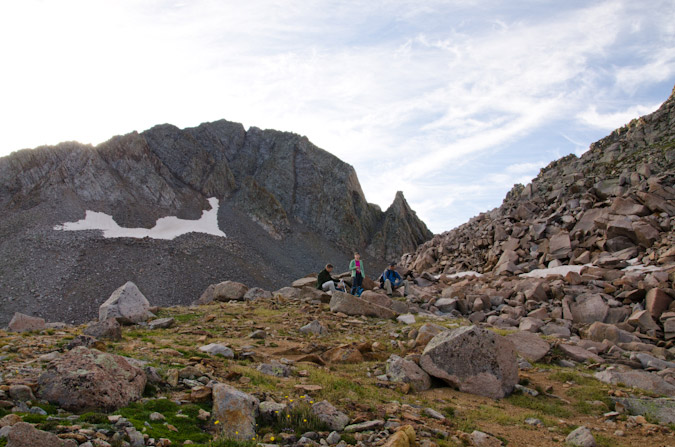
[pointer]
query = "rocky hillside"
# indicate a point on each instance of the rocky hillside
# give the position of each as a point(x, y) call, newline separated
point(618, 197)
point(286, 206)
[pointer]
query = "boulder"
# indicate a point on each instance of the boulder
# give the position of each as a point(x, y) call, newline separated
point(256, 293)
point(481, 439)
point(106, 329)
point(23, 434)
point(474, 360)
point(305, 282)
point(315, 327)
point(352, 305)
point(217, 349)
point(406, 371)
point(589, 308)
point(161, 323)
point(329, 415)
point(229, 290)
point(581, 437)
point(275, 369)
point(127, 304)
point(579, 354)
point(627, 206)
point(600, 331)
point(22, 323)
point(403, 437)
point(21, 393)
point(207, 296)
point(446, 305)
point(643, 319)
point(235, 412)
point(637, 379)
point(529, 346)
point(657, 302)
point(343, 354)
point(89, 380)
point(560, 246)
point(426, 332)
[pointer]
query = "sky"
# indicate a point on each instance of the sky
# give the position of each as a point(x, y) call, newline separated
point(451, 102)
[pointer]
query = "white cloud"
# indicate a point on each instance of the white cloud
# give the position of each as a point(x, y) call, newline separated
point(614, 120)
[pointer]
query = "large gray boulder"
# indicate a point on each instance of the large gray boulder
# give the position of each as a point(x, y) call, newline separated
point(406, 371)
point(474, 360)
point(89, 380)
point(127, 304)
point(352, 305)
point(229, 290)
point(235, 412)
point(22, 323)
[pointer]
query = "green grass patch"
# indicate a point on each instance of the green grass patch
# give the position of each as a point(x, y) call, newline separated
point(186, 318)
point(189, 428)
point(33, 418)
point(94, 418)
point(544, 405)
point(227, 442)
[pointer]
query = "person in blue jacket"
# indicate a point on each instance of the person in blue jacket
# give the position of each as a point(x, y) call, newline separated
point(392, 280)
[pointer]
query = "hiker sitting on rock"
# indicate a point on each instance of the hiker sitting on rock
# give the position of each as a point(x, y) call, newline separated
point(356, 268)
point(392, 280)
point(325, 281)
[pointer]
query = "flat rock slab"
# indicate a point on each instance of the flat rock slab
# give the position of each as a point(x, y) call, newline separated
point(161, 323)
point(529, 346)
point(637, 379)
point(351, 305)
point(23, 434)
point(579, 354)
point(474, 360)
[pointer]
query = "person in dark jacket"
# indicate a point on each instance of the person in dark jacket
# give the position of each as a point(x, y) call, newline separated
point(325, 281)
point(392, 280)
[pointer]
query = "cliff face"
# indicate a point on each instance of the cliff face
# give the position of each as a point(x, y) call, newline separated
point(616, 201)
point(278, 193)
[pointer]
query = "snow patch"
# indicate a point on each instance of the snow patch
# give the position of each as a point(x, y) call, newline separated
point(560, 270)
point(463, 274)
point(165, 228)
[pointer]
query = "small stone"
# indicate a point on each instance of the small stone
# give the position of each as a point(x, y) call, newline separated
point(333, 438)
point(581, 437)
point(157, 417)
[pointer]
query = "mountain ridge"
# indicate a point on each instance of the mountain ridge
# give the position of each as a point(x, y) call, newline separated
point(301, 200)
